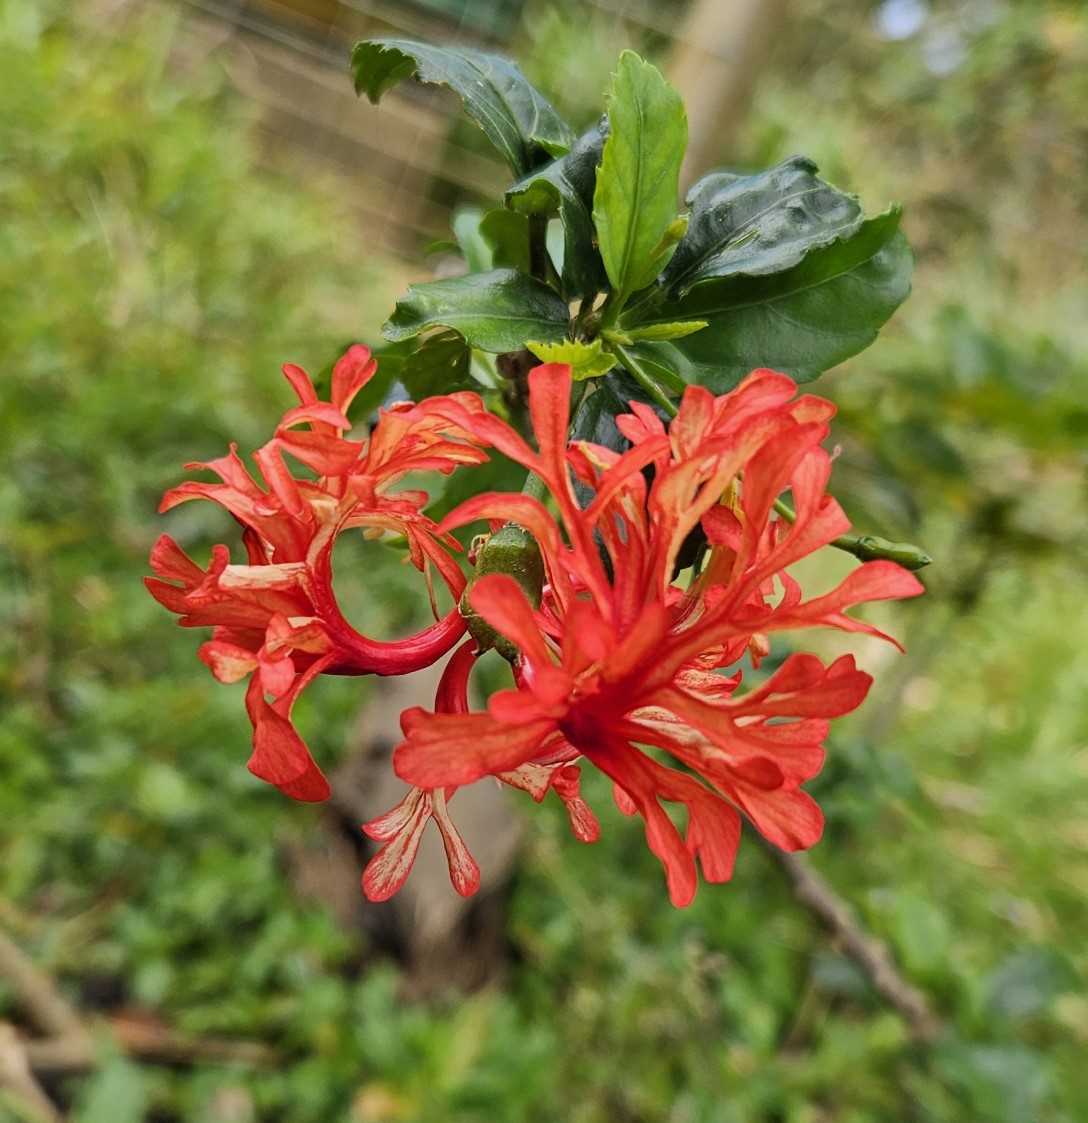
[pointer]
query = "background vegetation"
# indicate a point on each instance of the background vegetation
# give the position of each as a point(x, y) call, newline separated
point(152, 278)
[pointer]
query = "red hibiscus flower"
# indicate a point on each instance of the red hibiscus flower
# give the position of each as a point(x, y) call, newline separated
point(275, 616)
point(621, 664)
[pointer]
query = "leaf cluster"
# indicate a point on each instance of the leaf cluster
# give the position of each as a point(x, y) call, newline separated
point(593, 261)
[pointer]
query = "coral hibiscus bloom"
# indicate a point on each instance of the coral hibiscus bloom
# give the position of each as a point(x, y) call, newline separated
point(275, 616)
point(623, 666)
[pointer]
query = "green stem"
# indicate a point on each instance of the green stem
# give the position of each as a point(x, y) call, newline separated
point(869, 547)
point(609, 311)
point(645, 380)
point(535, 487)
point(585, 308)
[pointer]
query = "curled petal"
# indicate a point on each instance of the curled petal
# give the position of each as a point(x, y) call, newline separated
point(227, 661)
point(353, 370)
point(169, 560)
point(300, 383)
point(357, 652)
point(452, 694)
point(324, 413)
point(280, 756)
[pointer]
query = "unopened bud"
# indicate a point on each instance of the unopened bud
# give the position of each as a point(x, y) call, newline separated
point(511, 550)
point(869, 547)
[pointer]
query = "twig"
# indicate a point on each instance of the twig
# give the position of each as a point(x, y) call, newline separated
point(25, 1094)
point(68, 1044)
point(150, 1043)
point(812, 891)
point(39, 996)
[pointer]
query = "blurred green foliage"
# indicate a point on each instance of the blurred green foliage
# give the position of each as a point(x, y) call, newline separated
point(152, 277)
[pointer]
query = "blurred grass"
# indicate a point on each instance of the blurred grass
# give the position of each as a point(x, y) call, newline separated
point(152, 278)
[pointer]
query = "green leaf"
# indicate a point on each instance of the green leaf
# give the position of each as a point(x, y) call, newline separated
point(659, 363)
point(470, 240)
point(440, 365)
point(802, 321)
point(1028, 981)
point(495, 311)
point(518, 120)
point(758, 224)
point(492, 239)
point(677, 330)
point(565, 188)
point(117, 1093)
point(595, 418)
point(634, 204)
point(921, 933)
point(507, 236)
point(586, 360)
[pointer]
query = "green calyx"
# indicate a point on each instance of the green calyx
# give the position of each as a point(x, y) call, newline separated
point(511, 550)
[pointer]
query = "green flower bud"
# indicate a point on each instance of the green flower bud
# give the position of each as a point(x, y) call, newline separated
point(511, 550)
point(869, 547)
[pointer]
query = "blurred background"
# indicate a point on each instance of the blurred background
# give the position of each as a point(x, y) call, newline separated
point(191, 194)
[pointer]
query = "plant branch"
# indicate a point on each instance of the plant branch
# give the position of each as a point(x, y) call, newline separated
point(68, 1044)
point(869, 547)
point(869, 953)
point(24, 1095)
point(149, 1042)
point(38, 995)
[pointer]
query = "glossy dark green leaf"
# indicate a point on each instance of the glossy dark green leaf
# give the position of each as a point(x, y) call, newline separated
point(518, 120)
point(495, 311)
point(635, 199)
point(662, 365)
point(802, 321)
point(507, 236)
point(565, 188)
point(440, 365)
point(595, 419)
point(758, 224)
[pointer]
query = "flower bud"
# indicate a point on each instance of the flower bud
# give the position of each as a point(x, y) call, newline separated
point(511, 550)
